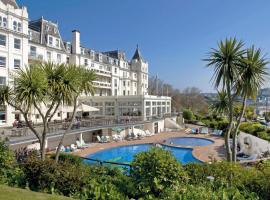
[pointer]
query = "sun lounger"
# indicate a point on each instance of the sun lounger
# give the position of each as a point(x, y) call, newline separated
point(204, 130)
point(217, 132)
point(148, 133)
point(73, 147)
point(194, 130)
point(188, 130)
point(84, 144)
point(79, 145)
point(101, 139)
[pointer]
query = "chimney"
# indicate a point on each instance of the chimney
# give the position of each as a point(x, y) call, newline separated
point(76, 42)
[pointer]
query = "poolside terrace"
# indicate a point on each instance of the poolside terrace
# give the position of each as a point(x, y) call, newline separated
point(215, 151)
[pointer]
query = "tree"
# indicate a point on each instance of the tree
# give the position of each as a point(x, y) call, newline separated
point(221, 105)
point(252, 74)
point(42, 87)
point(84, 85)
point(226, 60)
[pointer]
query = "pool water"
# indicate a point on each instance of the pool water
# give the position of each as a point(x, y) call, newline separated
point(125, 154)
point(189, 141)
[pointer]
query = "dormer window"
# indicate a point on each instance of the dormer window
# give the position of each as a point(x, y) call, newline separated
point(57, 43)
point(47, 28)
point(15, 26)
point(55, 30)
point(50, 40)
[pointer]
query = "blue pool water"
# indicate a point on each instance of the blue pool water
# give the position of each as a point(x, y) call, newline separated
point(125, 154)
point(189, 141)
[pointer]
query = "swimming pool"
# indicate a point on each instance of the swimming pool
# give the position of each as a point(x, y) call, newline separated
point(125, 154)
point(189, 141)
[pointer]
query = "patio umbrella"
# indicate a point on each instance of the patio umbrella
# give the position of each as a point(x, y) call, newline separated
point(87, 108)
point(80, 108)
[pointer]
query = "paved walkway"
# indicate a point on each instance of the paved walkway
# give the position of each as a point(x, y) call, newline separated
point(204, 153)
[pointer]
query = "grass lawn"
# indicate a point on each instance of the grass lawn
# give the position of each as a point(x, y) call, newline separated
point(10, 193)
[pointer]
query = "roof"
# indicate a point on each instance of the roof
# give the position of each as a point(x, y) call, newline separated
point(11, 2)
point(137, 55)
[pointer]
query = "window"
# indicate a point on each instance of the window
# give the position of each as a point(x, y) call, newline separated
point(86, 62)
point(124, 83)
point(33, 51)
point(2, 61)
point(115, 70)
point(59, 58)
point(50, 40)
point(49, 56)
point(17, 43)
point(115, 92)
point(128, 83)
point(4, 22)
point(115, 82)
point(2, 80)
point(3, 39)
point(30, 33)
point(19, 27)
point(47, 28)
point(135, 84)
point(67, 60)
point(3, 114)
point(55, 30)
point(124, 92)
point(15, 26)
point(57, 43)
point(128, 92)
point(17, 63)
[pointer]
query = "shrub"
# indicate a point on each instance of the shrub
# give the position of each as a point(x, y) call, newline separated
point(156, 170)
point(188, 114)
point(7, 163)
point(73, 159)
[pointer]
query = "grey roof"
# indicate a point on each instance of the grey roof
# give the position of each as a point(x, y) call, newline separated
point(40, 30)
point(137, 55)
point(11, 2)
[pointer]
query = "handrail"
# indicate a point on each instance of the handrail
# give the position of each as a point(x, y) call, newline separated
point(108, 162)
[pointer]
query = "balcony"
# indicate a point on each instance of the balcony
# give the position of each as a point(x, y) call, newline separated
point(103, 73)
point(100, 84)
point(35, 57)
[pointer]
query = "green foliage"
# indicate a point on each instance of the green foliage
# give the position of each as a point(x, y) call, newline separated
point(7, 163)
point(256, 129)
point(156, 170)
point(155, 174)
point(73, 159)
point(188, 114)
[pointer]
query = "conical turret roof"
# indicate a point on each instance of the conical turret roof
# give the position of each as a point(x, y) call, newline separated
point(137, 55)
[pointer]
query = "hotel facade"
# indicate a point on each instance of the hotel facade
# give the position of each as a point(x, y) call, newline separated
point(121, 88)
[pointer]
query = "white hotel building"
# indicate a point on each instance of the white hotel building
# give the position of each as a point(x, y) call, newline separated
point(121, 86)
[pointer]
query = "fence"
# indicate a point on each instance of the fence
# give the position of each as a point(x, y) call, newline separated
point(110, 163)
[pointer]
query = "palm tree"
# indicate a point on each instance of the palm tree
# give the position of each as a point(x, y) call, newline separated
point(226, 60)
point(78, 80)
point(253, 72)
point(221, 105)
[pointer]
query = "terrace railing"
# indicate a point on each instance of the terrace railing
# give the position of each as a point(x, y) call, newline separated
point(110, 163)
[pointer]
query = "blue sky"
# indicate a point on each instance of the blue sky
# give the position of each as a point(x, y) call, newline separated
point(173, 35)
